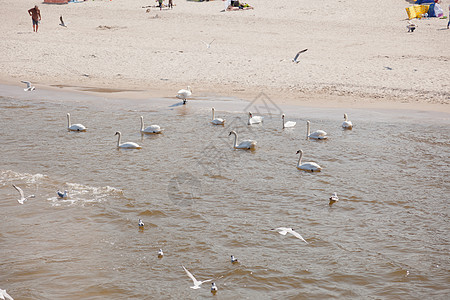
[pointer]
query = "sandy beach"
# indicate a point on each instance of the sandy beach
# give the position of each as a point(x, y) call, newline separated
point(359, 53)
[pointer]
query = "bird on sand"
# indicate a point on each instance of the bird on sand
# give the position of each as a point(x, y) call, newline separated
point(334, 198)
point(22, 196)
point(29, 87)
point(296, 56)
point(197, 283)
point(184, 94)
point(4, 294)
point(62, 195)
point(285, 230)
point(62, 22)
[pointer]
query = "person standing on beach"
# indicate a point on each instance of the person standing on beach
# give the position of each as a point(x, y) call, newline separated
point(170, 4)
point(448, 24)
point(35, 14)
point(160, 4)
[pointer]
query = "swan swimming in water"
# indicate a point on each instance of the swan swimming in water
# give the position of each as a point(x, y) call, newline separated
point(347, 124)
point(127, 145)
point(334, 198)
point(22, 196)
point(318, 135)
point(197, 283)
point(288, 123)
point(285, 230)
point(150, 129)
point(217, 121)
point(307, 166)
point(62, 195)
point(254, 119)
point(246, 144)
point(74, 127)
point(184, 94)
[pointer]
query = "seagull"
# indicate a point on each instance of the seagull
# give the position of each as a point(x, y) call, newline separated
point(296, 56)
point(208, 45)
point(22, 197)
point(213, 288)
point(285, 230)
point(196, 282)
point(160, 253)
point(62, 22)
point(62, 195)
point(29, 86)
point(233, 259)
point(334, 198)
point(141, 224)
point(4, 294)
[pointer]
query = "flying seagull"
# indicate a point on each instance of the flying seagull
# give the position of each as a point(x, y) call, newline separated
point(300, 52)
point(29, 86)
point(22, 197)
point(197, 283)
point(62, 22)
point(285, 230)
point(208, 45)
point(4, 294)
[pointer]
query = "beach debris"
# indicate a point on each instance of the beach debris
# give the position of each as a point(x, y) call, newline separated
point(296, 56)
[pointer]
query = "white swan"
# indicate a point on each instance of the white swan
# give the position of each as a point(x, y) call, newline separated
point(307, 166)
point(217, 121)
point(150, 129)
point(288, 123)
point(246, 144)
point(254, 119)
point(74, 127)
point(127, 145)
point(347, 124)
point(318, 135)
point(184, 94)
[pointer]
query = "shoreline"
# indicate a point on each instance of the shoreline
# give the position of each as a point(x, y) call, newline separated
point(311, 100)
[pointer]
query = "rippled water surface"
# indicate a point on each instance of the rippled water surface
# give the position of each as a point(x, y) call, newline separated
point(202, 201)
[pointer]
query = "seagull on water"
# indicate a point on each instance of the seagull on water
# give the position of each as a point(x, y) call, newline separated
point(208, 45)
point(285, 230)
point(233, 259)
point(4, 294)
point(22, 197)
point(296, 56)
point(160, 253)
point(334, 198)
point(62, 195)
point(29, 86)
point(213, 288)
point(141, 223)
point(197, 283)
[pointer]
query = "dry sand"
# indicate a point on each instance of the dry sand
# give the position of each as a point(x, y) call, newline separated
point(359, 52)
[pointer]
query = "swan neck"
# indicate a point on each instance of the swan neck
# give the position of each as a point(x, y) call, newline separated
point(142, 124)
point(282, 119)
point(235, 139)
point(300, 159)
point(68, 120)
point(118, 140)
point(345, 117)
point(307, 130)
point(213, 115)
